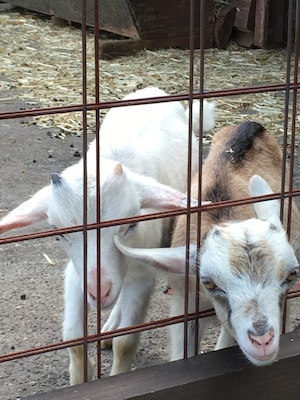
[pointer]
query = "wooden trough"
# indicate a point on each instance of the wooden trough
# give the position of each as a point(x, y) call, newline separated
point(146, 23)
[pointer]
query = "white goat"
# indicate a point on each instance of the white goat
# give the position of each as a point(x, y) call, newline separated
point(246, 262)
point(142, 149)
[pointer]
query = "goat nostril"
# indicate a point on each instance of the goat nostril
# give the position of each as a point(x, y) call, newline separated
point(92, 297)
point(107, 290)
point(263, 340)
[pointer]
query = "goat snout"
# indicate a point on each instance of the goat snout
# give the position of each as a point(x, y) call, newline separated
point(263, 340)
point(105, 290)
point(264, 347)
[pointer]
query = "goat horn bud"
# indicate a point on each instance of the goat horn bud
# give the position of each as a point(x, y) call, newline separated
point(118, 169)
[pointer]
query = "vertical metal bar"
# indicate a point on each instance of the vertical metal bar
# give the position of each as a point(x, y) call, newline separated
point(286, 108)
point(85, 187)
point(286, 114)
point(293, 127)
point(294, 114)
point(200, 152)
point(98, 193)
point(189, 177)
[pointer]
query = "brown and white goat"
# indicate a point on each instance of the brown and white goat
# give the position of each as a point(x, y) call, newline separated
point(246, 262)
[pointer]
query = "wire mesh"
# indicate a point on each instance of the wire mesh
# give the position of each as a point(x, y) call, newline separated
point(290, 87)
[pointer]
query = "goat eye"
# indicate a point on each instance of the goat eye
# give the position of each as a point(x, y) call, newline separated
point(64, 239)
point(130, 228)
point(209, 284)
point(291, 276)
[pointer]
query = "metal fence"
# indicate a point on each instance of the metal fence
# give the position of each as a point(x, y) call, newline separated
point(288, 86)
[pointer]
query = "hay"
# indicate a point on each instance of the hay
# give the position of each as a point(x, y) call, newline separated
point(43, 63)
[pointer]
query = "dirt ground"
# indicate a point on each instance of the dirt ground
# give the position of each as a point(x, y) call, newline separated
point(31, 303)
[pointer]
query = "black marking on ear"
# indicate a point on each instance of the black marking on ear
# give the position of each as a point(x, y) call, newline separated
point(242, 140)
point(57, 179)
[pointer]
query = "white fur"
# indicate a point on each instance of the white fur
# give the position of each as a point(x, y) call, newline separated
point(142, 149)
point(246, 262)
point(208, 116)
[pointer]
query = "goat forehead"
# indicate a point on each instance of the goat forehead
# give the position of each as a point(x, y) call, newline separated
point(255, 258)
point(252, 248)
point(117, 196)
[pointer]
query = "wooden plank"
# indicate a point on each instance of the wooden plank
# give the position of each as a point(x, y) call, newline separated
point(220, 375)
point(277, 23)
point(261, 23)
point(136, 19)
point(114, 15)
point(223, 26)
point(161, 19)
point(244, 39)
point(110, 49)
point(245, 14)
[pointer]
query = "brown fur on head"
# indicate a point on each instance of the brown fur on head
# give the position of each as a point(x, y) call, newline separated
point(235, 156)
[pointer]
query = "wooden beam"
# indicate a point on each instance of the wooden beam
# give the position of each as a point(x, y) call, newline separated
point(223, 26)
point(261, 23)
point(244, 39)
point(277, 23)
point(245, 14)
point(220, 375)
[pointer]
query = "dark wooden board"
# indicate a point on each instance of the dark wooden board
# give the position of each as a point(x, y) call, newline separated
point(220, 375)
point(245, 39)
point(261, 23)
point(114, 15)
point(136, 19)
point(165, 19)
point(115, 48)
point(277, 34)
point(245, 14)
point(224, 26)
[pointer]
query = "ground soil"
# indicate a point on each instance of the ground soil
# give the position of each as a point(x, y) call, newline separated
point(31, 301)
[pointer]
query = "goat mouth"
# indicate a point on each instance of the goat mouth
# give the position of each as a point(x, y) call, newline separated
point(92, 300)
point(260, 358)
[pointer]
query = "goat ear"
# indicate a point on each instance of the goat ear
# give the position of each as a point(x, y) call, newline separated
point(171, 259)
point(158, 196)
point(265, 210)
point(30, 212)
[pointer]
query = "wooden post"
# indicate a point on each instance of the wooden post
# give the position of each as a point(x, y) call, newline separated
point(261, 23)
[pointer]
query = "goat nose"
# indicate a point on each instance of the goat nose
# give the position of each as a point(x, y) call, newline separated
point(105, 292)
point(105, 289)
point(262, 340)
point(260, 326)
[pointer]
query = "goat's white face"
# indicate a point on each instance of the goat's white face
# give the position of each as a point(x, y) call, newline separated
point(67, 210)
point(247, 268)
point(123, 194)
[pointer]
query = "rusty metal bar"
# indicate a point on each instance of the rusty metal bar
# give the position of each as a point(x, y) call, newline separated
point(189, 177)
point(107, 335)
point(85, 189)
point(104, 224)
point(123, 103)
point(202, 26)
point(98, 194)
